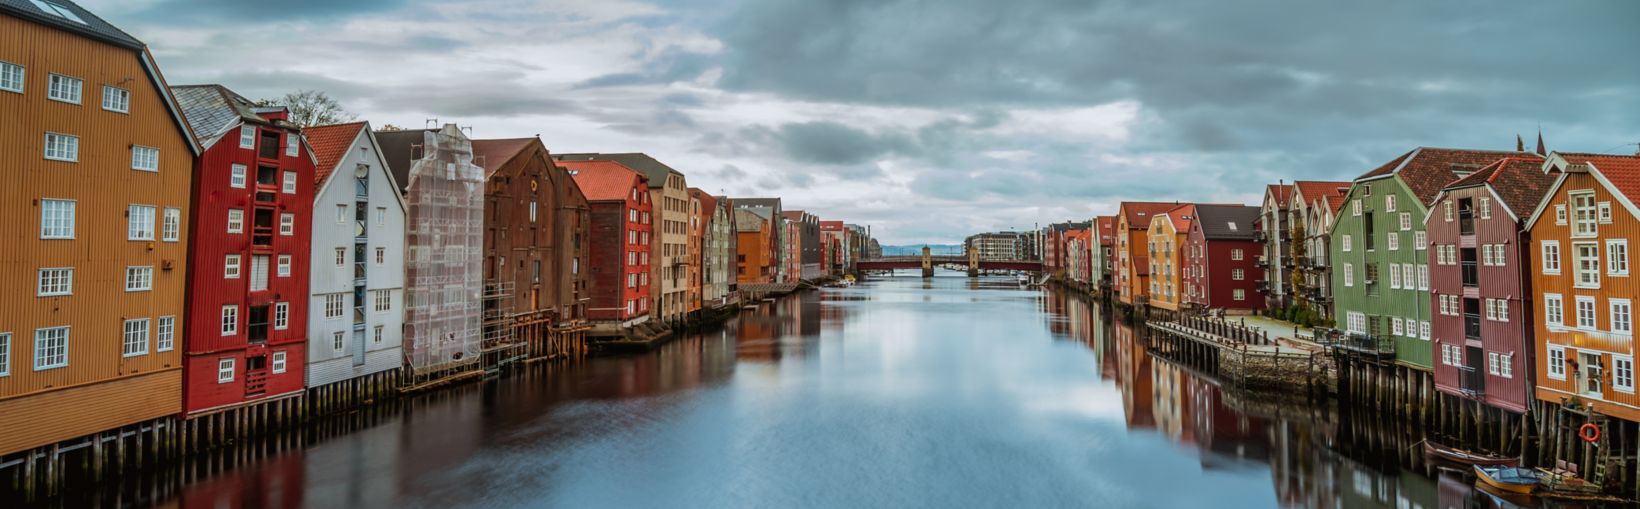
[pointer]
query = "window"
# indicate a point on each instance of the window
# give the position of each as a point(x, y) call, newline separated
point(1554, 309)
point(283, 266)
point(224, 370)
point(1236, 254)
point(64, 88)
point(1623, 373)
point(1406, 221)
point(1355, 207)
point(1446, 309)
point(1446, 355)
point(336, 341)
point(56, 219)
point(383, 299)
point(1423, 277)
point(1501, 314)
point(170, 229)
point(381, 216)
point(290, 183)
point(139, 279)
point(1394, 240)
point(116, 99)
point(1345, 244)
point(341, 213)
point(1551, 257)
point(55, 281)
point(57, 10)
point(1389, 203)
point(1396, 327)
point(50, 348)
point(165, 334)
point(1447, 207)
point(1586, 256)
point(279, 362)
point(1237, 274)
point(381, 255)
point(1492, 361)
point(247, 137)
point(1485, 208)
point(341, 257)
point(281, 315)
point(1394, 277)
point(1420, 240)
point(1583, 214)
point(1585, 312)
point(144, 158)
point(136, 338)
point(139, 222)
point(1423, 330)
point(333, 305)
point(236, 221)
point(1357, 322)
point(1238, 294)
point(5, 354)
point(62, 147)
point(377, 337)
point(1349, 274)
point(532, 211)
point(1560, 215)
point(287, 224)
point(230, 267)
point(1557, 362)
point(293, 144)
point(230, 320)
point(1605, 208)
point(11, 77)
point(236, 176)
point(1617, 257)
point(1622, 316)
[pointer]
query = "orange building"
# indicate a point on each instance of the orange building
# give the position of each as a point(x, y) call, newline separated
point(753, 232)
point(1132, 278)
point(697, 237)
point(99, 167)
point(1581, 278)
point(1167, 237)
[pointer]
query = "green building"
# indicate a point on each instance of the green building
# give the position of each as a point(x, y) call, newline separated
point(1380, 272)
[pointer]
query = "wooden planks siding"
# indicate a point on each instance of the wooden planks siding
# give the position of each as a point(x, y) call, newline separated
point(85, 409)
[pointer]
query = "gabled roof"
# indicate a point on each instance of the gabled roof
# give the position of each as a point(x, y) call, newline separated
point(493, 154)
point(211, 110)
point(1622, 171)
point(771, 203)
point(1181, 217)
point(638, 161)
point(708, 203)
point(1519, 183)
point(1336, 202)
point(749, 221)
point(1227, 222)
point(88, 24)
point(1313, 190)
point(603, 180)
point(399, 149)
point(329, 144)
point(1107, 228)
point(1138, 213)
point(1426, 170)
point(1283, 193)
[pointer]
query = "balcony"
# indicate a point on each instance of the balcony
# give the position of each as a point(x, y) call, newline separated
point(1260, 237)
point(1263, 261)
point(1262, 287)
point(1355, 342)
point(1471, 381)
point(1472, 326)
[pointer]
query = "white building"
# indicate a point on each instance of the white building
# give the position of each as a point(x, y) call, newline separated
point(356, 307)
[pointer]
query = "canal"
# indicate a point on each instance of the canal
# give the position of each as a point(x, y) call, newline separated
point(900, 392)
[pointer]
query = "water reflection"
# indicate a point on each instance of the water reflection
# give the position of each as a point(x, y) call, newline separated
point(947, 392)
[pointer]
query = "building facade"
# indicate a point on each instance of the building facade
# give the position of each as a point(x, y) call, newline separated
point(717, 249)
point(1276, 235)
point(754, 261)
point(1315, 206)
point(1220, 256)
point(246, 336)
point(88, 336)
point(1169, 232)
point(1132, 233)
point(359, 246)
point(620, 238)
point(669, 194)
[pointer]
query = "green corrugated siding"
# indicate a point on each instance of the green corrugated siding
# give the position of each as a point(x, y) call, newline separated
point(1378, 301)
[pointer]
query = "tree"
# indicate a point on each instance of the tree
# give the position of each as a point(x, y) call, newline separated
point(1300, 250)
point(309, 108)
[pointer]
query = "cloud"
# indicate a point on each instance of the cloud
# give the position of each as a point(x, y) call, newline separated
point(834, 143)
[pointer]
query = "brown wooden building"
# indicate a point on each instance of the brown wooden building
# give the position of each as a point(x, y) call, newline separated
point(535, 218)
point(98, 168)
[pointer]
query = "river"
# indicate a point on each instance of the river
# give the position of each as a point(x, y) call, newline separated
point(899, 392)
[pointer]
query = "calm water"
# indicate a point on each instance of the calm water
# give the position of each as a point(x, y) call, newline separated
point(901, 392)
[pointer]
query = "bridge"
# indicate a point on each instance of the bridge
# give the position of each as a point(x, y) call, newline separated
point(927, 262)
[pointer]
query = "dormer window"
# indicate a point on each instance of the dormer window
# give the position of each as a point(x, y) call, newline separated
point(58, 11)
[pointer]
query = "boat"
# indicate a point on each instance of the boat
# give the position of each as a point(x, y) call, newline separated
point(1455, 455)
point(1507, 479)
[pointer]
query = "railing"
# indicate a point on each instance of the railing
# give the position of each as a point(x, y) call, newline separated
point(1471, 274)
point(1263, 261)
point(256, 382)
point(1471, 381)
point(1334, 338)
point(1472, 326)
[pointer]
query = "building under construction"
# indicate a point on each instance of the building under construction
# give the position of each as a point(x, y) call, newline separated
point(444, 241)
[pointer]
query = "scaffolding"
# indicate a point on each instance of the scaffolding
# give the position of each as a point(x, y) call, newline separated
point(501, 345)
point(444, 238)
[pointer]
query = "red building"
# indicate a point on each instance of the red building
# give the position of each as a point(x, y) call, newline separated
point(619, 263)
point(1220, 260)
point(832, 235)
point(245, 336)
point(1477, 261)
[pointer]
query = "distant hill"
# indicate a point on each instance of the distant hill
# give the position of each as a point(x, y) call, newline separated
point(916, 249)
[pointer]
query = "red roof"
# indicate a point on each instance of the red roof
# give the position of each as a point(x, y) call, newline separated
point(1336, 202)
point(492, 154)
point(1107, 229)
point(708, 203)
point(329, 144)
point(1282, 192)
point(1622, 171)
point(1427, 170)
point(1315, 190)
point(1181, 217)
point(603, 180)
point(1139, 212)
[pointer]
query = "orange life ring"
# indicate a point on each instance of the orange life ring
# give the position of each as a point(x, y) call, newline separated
point(1589, 432)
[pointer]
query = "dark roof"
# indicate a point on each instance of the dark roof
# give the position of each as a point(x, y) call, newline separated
point(769, 203)
point(648, 166)
point(493, 154)
point(211, 110)
point(1216, 221)
point(398, 148)
point(1426, 170)
point(93, 27)
point(1520, 182)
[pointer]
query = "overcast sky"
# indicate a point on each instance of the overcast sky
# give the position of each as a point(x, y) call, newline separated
point(934, 119)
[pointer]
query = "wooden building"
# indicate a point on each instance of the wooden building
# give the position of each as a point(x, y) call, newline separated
point(1132, 278)
point(246, 335)
point(99, 165)
point(1220, 259)
point(696, 248)
point(669, 222)
point(1477, 258)
point(1169, 232)
point(771, 210)
point(618, 263)
point(358, 246)
point(718, 249)
point(1315, 205)
point(754, 261)
point(1275, 233)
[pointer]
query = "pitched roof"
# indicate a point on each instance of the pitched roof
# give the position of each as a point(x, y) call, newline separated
point(771, 203)
point(1181, 217)
point(1139, 212)
point(329, 144)
point(1282, 192)
point(708, 203)
point(1227, 222)
point(493, 154)
point(213, 109)
point(1336, 202)
point(399, 148)
point(748, 221)
point(72, 18)
point(603, 180)
point(1107, 228)
point(1622, 171)
point(638, 161)
point(1426, 170)
point(1313, 190)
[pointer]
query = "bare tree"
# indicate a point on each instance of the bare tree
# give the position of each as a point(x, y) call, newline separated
point(309, 108)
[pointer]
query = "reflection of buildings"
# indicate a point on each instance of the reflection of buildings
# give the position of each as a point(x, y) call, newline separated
point(1133, 377)
point(1170, 404)
point(786, 327)
point(276, 482)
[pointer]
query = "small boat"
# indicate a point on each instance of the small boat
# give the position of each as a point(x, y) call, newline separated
point(1455, 455)
point(1507, 479)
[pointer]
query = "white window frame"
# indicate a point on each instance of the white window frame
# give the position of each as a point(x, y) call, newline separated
point(232, 267)
point(49, 356)
point(1420, 240)
point(76, 85)
point(1591, 321)
point(1620, 314)
point(1585, 276)
point(381, 216)
point(382, 300)
point(139, 278)
point(1549, 252)
point(1423, 277)
point(335, 307)
point(247, 137)
point(1579, 211)
point(225, 370)
point(282, 265)
point(1555, 362)
point(1389, 203)
point(287, 224)
point(13, 78)
point(65, 146)
point(279, 363)
point(165, 333)
point(1406, 221)
point(293, 144)
point(1393, 240)
point(134, 340)
point(1355, 207)
point(289, 182)
point(281, 315)
point(122, 99)
point(144, 158)
point(236, 221)
point(1447, 207)
point(1617, 257)
point(140, 222)
point(1604, 212)
point(341, 257)
point(229, 320)
point(1238, 274)
point(1356, 322)
point(67, 279)
point(1344, 243)
point(1423, 330)
point(381, 255)
point(1623, 373)
point(1554, 309)
point(1396, 326)
point(237, 176)
point(1349, 275)
point(51, 223)
point(170, 228)
point(5, 348)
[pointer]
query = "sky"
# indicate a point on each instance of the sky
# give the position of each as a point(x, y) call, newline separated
point(934, 119)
